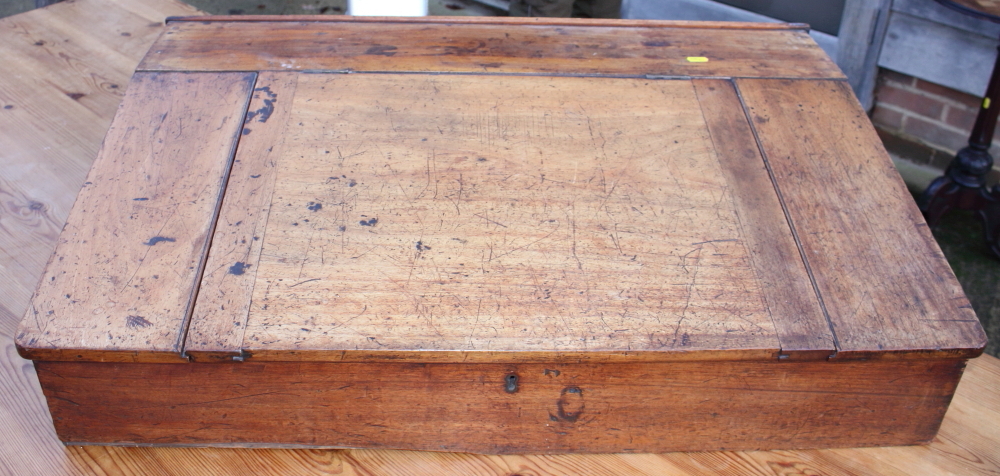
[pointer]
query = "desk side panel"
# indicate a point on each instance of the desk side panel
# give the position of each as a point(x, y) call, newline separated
point(122, 278)
point(554, 408)
point(487, 49)
point(886, 286)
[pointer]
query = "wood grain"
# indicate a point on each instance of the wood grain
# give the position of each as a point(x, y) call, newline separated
point(856, 221)
point(223, 305)
point(28, 444)
point(802, 328)
point(965, 445)
point(124, 273)
point(475, 215)
point(26, 225)
point(500, 20)
point(487, 49)
point(65, 70)
point(49, 140)
point(561, 408)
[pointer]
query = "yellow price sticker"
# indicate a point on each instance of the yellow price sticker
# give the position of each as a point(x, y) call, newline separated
point(697, 59)
point(986, 103)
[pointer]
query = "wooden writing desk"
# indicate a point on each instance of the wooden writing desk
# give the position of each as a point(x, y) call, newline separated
point(676, 463)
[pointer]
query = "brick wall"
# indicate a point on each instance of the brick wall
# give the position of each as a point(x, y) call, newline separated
point(922, 121)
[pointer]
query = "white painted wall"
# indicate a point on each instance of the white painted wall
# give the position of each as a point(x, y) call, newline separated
point(707, 10)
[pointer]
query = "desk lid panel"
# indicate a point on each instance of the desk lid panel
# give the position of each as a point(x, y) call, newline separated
point(123, 277)
point(803, 330)
point(501, 214)
point(515, 210)
point(522, 47)
point(220, 315)
point(884, 282)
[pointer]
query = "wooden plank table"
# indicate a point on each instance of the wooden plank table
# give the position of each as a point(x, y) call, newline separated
point(965, 445)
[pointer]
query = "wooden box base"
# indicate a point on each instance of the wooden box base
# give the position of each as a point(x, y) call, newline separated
point(641, 407)
point(494, 237)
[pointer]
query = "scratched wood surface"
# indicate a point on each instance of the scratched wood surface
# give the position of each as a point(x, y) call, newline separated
point(858, 224)
point(223, 305)
point(456, 213)
point(965, 445)
point(460, 46)
point(802, 328)
point(124, 273)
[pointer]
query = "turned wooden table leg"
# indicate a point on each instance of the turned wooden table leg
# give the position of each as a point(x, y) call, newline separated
point(963, 185)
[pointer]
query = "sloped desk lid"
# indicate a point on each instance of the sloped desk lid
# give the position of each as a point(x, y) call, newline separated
point(493, 191)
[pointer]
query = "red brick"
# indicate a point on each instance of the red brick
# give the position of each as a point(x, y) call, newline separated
point(890, 75)
point(948, 93)
point(887, 118)
point(923, 105)
point(934, 134)
point(964, 120)
point(960, 118)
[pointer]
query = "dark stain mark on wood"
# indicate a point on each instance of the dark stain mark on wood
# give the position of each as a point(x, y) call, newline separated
point(246, 131)
point(655, 43)
point(140, 199)
point(39, 43)
point(352, 183)
point(8, 107)
point(490, 65)
point(342, 228)
point(255, 176)
point(422, 247)
point(465, 51)
point(267, 90)
point(36, 206)
point(264, 113)
point(554, 373)
point(384, 50)
point(238, 268)
point(315, 206)
point(137, 321)
point(370, 222)
point(570, 405)
point(75, 96)
point(157, 239)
